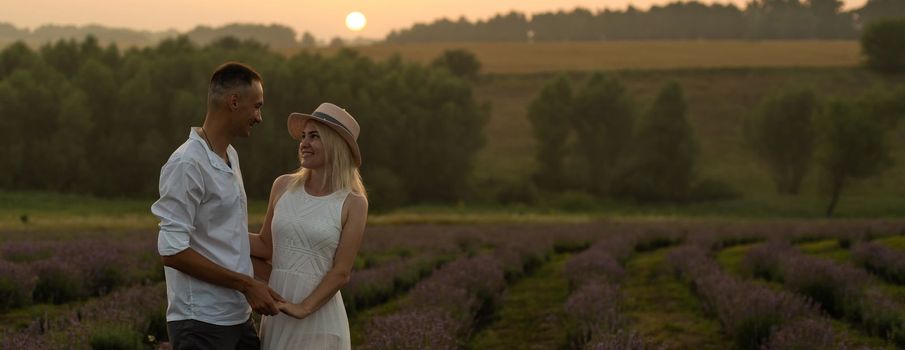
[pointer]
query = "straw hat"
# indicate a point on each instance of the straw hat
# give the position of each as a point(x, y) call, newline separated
point(333, 116)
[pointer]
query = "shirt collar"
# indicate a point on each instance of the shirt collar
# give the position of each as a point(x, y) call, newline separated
point(214, 159)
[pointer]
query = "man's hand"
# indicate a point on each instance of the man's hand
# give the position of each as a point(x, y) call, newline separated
point(261, 298)
point(276, 296)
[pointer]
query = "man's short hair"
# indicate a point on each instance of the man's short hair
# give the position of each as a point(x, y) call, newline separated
point(229, 76)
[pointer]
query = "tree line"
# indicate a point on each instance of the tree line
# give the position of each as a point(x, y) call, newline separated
point(85, 118)
point(760, 19)
point(274, 35)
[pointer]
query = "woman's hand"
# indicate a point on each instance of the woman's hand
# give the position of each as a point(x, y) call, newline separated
point(294, 310)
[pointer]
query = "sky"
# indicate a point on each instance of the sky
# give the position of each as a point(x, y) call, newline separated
point(325, 18)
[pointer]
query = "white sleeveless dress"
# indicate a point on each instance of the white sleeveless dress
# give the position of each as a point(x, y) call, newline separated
point(306, 232)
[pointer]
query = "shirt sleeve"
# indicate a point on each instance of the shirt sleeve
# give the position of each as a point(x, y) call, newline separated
point(181, 191)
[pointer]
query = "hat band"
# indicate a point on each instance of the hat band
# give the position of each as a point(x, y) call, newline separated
point(327, 117)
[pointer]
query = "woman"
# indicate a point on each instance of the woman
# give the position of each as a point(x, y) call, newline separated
point(312, 231)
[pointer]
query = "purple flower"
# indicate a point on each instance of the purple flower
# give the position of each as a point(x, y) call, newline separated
point(413, 330)
point(620, 341)
point(882, 260)
point(17, 283)
point(805, 333)
point(596, 307)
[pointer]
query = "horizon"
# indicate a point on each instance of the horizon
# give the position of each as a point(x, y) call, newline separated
point(329, 21)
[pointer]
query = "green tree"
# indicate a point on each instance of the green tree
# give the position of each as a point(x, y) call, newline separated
point(461, 63)
point(337, 42)
point(659, 165)
point(831, 22)
point(602, 117)
point(781, 19)
point(12, 138)
point(549, 116)
point(886, 103)
point(883, 44)
point(781, 135)
point(64, 56)
point(31, 112)
point(308, 40)
point(66, 148)
point(879, 9)
point(98, 81)
point(852, 146)
point(16, 56)
point(274, 35)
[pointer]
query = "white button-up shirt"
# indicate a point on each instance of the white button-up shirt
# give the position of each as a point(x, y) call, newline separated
point(203, 206)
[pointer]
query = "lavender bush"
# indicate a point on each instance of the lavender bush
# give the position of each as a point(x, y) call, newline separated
point(414, 330)
point(747, 311)
point(74, 270)
point(805, 333)
point(882, 260)
point(837, 288)
point(374, 286)
point(595, 308)
point(442, 308)
point(17, 283)
point(842, 290)
point(620, 341)
point(129, 311)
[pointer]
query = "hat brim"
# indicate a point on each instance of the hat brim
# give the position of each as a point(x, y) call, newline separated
point(296, 124)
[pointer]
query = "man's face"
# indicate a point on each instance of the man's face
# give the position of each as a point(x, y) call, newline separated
point(248, 109)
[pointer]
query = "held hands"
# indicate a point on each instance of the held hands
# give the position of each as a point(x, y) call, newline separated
point(262, 299)
point(294, 310)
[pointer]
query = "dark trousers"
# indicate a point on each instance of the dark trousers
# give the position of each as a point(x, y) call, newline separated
point(193, 334)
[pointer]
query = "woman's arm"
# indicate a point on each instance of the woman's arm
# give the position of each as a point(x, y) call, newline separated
point(355, 216)
point(262, 243)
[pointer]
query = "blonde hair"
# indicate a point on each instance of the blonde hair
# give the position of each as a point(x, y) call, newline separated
point(341, 166)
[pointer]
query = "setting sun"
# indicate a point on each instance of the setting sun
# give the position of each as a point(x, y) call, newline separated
point(356, 21)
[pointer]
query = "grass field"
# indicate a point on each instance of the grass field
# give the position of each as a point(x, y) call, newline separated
point(525, 58)
point(38, 212)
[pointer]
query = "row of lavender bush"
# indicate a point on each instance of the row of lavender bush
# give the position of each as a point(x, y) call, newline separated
point(442, 311)
point(753, 315)
point(844, 291)
point(377, 285)
point(594, 277)
point(64, 271)
point(129, 318)
point(884, 261)
point(722, 235)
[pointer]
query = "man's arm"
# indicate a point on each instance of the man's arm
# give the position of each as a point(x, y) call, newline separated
point(181, 193)
point(259, 296)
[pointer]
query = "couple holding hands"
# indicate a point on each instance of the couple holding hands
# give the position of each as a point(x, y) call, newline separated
point(291, 272)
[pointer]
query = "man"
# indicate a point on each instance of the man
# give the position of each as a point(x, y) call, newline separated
point(203, 238)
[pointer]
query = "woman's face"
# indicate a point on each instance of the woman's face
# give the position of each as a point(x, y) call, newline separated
point(311, 149)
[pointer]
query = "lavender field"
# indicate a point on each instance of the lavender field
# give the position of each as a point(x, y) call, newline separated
point(607, 285)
